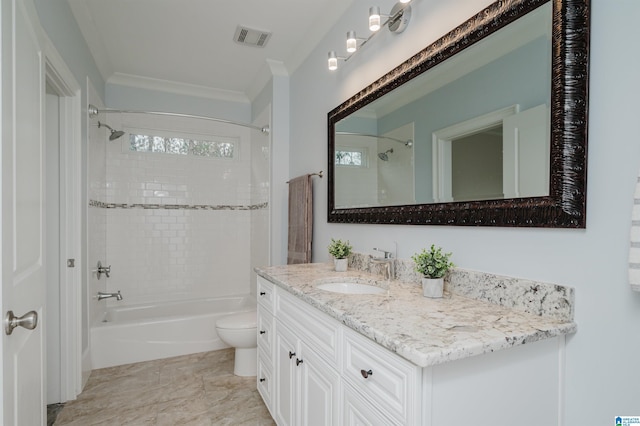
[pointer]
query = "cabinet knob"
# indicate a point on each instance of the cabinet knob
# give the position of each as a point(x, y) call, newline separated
point(263, 380)
point(366, 373)
point(262, 332)
point(291, 354)
point(299, 361)
point(262, 293)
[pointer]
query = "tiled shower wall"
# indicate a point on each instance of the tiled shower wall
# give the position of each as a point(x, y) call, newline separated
point(178, 226)
point(93, 310)
point(260, 185)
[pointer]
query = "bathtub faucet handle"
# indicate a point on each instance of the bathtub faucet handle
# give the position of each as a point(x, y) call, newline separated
point(103, 270)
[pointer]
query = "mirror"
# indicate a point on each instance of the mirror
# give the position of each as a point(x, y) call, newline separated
point(486, 126)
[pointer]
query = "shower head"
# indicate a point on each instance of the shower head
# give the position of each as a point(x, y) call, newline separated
point(383, 155)
point(115, 134)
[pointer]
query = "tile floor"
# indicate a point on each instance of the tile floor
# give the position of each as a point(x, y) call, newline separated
point(191, 390)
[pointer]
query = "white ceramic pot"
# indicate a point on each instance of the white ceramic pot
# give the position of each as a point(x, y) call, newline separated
point(432, 287)
point(340, 265)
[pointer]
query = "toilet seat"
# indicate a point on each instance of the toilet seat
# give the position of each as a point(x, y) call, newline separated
point(242, 320)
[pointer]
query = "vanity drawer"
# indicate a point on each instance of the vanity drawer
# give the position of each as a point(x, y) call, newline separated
point(265, 383)
point(265, 294)
point(316, 328)
point(389, 382)
point(265, 331)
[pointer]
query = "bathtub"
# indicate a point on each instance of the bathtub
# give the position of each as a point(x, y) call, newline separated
point(146, 332)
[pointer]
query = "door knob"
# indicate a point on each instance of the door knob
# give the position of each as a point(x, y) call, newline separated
point(28, 321)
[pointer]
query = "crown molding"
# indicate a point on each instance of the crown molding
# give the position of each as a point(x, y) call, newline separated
point(175, 87)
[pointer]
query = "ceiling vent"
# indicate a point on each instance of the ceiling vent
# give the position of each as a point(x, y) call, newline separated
point(251, 37)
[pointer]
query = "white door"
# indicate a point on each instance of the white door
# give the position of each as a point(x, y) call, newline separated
point(526, 161)
point(22, 230)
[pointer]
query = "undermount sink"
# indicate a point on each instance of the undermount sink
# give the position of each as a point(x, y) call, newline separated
point(351, 288)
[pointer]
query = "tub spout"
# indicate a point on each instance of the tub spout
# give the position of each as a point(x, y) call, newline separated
point(102, 295)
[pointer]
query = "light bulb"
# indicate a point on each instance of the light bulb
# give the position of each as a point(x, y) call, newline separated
point(405, 1)
point(374, 18)
point(333, 61)
point(352, 42)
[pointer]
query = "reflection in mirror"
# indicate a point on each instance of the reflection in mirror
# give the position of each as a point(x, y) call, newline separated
point(496, 110)
point(445, 107)
point(374, 170)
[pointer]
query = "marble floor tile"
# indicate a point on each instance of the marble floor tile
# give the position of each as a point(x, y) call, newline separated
point(198, 389)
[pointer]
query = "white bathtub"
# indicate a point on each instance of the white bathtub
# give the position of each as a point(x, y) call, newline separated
point(146, 332)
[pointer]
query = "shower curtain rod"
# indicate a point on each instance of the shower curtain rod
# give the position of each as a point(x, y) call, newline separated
point(94, 111)
point(408, 142)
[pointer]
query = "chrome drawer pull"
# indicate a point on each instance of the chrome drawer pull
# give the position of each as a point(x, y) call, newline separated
point(366, 373)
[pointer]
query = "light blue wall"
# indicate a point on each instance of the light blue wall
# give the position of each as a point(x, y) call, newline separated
point(58, 22)
point(602, 373)
point(133, 98)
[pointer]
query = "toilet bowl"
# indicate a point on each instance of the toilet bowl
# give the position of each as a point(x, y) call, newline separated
point(239, 331)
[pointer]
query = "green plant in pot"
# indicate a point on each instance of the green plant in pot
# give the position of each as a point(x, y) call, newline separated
point(340, 250)
point(433, 264)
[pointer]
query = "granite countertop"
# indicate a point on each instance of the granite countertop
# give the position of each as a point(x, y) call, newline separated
point(422, 330)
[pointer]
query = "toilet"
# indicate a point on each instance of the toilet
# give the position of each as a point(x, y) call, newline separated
point(239, 331)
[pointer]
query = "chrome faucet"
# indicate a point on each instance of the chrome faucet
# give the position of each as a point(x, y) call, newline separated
point(389, 271)
point(102, 295)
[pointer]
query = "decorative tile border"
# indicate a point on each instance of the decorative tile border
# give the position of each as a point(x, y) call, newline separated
point(103, 205)
point(534, 297)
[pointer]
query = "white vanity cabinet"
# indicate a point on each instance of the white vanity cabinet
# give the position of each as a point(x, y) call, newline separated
point(316, 365)
point(314, 370)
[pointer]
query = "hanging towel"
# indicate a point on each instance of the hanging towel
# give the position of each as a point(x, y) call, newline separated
point(300, 220)
point(634, 239)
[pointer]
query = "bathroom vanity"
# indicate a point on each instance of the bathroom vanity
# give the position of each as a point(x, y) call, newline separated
point(331, 358)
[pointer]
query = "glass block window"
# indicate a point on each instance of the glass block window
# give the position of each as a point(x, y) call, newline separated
point(181, 146)
point(350, 158)
point(212, 149)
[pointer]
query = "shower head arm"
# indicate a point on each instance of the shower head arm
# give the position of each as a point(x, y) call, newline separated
point(101, 124)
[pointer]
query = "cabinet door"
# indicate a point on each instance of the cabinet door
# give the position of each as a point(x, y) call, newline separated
point(358, 412)
point(320, 387)
point(286, 396)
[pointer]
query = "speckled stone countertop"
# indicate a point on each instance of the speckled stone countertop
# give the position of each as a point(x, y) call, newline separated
point(422, 330)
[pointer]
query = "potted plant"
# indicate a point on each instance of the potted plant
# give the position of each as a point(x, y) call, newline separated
point(340, 250)
point(433, 264)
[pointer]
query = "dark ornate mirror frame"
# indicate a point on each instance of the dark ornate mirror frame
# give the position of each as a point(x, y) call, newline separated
point(565, 207)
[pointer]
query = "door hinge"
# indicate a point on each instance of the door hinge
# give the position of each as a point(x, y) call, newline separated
point(71, 263)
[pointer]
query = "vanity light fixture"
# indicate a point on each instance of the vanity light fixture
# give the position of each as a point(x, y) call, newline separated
point(333, 60)
point(352, 41)
point(374, 18)
point(397, 21)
